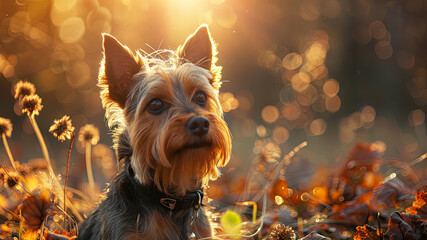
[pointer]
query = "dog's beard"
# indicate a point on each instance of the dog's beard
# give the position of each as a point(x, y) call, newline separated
point(179, 162)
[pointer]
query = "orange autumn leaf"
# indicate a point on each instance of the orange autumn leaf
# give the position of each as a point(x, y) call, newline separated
point(30, 235)
point(362, 158)
point(419, 206)
point(366, 232)
point(358, 173)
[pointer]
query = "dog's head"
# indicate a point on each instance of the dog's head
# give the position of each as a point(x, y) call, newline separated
point(171, 109)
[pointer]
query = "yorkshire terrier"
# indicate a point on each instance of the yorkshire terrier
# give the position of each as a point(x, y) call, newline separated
point(171, 140)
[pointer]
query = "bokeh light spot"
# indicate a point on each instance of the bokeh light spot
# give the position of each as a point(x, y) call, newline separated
point(278, 200)
point(280, 134)
point(226, 17)
point(417, 117)
point(333, 104)
point(292, 61)
point(261, 131)
point(318, 126)
point(99, 20)
point(270, 114)
point(308, 96)
point(331, 87)
point(64, 5)
point(72, 30)
point(267, 59)
point(383, 49)
point(78, 74)
point(378, 29)
point(367, 114)
point(8, 71)
point(300, 81)
point(291, 111)
point(316, 54)
point(229, 102)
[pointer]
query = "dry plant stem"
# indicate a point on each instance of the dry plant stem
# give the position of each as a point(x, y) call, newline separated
point(68, 168)
point(49, 165)
point(9, 153)
point(283, 163)
point(89, 168)
point(42, 144)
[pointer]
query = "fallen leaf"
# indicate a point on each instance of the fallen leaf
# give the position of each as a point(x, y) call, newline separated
point(405, 226)
point(35, 208)
point(366, 232)
point(389, 195)
point(419, 206)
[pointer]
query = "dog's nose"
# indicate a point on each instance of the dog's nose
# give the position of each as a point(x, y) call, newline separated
point(198, 126)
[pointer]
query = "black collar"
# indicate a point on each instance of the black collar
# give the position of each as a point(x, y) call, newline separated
point(190, 200)
point(153, 194)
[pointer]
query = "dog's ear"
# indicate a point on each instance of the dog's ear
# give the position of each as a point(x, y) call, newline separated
point(200, 49)
point(117, 69)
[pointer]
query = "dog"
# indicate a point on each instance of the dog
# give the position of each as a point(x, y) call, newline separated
point(170, 137)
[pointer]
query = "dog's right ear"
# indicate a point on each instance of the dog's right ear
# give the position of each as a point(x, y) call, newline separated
point(117, 69)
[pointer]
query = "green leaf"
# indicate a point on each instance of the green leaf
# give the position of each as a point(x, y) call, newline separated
point(231, 222)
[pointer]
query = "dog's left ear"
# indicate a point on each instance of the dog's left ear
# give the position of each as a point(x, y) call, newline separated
point(199, 49)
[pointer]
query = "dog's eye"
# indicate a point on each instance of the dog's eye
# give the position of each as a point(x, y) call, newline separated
point(156, 106)
point(200, 98)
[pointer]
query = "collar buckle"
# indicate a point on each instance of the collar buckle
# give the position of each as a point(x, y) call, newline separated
point(199, 203)
point(168, 203)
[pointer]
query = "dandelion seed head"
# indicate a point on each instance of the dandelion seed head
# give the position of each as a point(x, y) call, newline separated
point(12, 179)
point(6, 127)
point(268, 151)
point(62, 129)
point(23, 89)
point(282, 232)
point(31, 104)
point(89, 134)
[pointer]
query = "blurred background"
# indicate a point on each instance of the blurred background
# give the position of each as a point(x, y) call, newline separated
point(328, 72)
